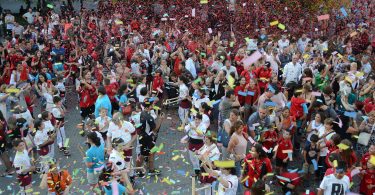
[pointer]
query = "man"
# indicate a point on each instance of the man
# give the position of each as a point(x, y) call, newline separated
point(9, 22)
point(29, 16)
point(337, 183)
point(147, 138)
point(258, 120)
point(302, 43)
point(17, 30)
point(267, 95)
point(227, 104)
point(283, 42)
point(230, 69)
point(292, 71)
point(190, 65)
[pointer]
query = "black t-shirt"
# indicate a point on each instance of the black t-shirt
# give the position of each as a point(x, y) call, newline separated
point(147, 124)
point(311, 153)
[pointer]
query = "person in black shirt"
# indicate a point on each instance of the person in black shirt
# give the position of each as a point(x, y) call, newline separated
point(147, 137)
point(311, 154)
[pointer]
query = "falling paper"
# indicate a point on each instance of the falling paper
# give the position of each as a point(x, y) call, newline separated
point(323, 17)
point(193, 12)
point(343, 146)
point(315, 164)
point(274, 23)
point(281, 26)
point(209, 30)
point(204, 1)
point(224, 164)
point(251, 59)
point(343, 11)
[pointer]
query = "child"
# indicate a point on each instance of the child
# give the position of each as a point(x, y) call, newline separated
point(270, 138)
point(60, 85)
point(103, 122)
point(58, 112)
point(281, 156)
point(158, 83)
point(311, 156)
point(325, 134)
point(368, 180)
point(23, 165)
point(366, 157)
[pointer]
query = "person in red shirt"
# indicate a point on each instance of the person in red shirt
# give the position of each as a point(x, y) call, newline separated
point(257, 165)
point(270, 138)
point(240, 91)
point(263, 74)
point(367, 186)
point(282, 157)
point(366, 157)
point(87, 95)
point(111, 89)
point(369, 103)
point(347, 155)
point(296, 105)
point(249, 73)
point(158, 83)
point(251, 99)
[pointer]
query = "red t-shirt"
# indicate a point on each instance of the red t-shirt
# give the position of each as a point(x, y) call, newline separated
point(254, 168)
point(263, 73)
point(157, 83)
point(296, 109)
point(368, 179)
point(270, 135)
point(364, 160)
point(111, 90)
point(283, 145)
point(369, 105)
point(87, 96)
point(241, 98)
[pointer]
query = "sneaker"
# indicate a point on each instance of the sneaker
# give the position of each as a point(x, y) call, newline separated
point(154, 172)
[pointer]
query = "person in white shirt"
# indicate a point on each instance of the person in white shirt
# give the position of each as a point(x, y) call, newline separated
point(29, 16)
point(227, 178)
point(302, 43)
point(58, 112)
point(184, 106)
point(190, 65)
point(195, 131)
point(42, 140)
point(50, 129)
point(144, 52)
point(218, 63)
point(139, 88)
point(283, 42)
point(229, 69)
point(199, 97)
point(366, 66)
point(292, 71)
point(22, 163)
point(9, 22)
point(103, 122)
point(337, 183)
point(274, 60)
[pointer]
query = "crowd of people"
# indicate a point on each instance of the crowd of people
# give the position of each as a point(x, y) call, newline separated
point(258, 85)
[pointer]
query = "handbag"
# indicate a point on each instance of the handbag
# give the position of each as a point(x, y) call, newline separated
point(126, 110)
point(364, 137)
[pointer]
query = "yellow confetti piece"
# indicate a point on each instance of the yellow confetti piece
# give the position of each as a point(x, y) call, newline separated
point(359, 74)
point(305, 56)
point(156, 108)
point(180, 128)
point(12, 90)
point(231, 81)
point(244, 179)
point(224, 164)
point(274, 23)
point(281, 26)
point(175, 157)
point(335, 164)
point(343, 146)
point(269, 193)
point(372, 159)
point(66, 143)
point(269, 174)
point(339, 55)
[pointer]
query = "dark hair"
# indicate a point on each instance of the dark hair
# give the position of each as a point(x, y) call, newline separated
point(334, 156)
point(259, 149)
point(314, 138)
point(45, 115)
point(38, 123)
point(143, 91)
point(229, 93)
point(56, 99)
point(102, 90)
point(199, 116)
point(235, 126)
point(235, 112)
point(232, 170)
point(122, 89)
point(94, 138)
point(336, 139)
point(258, 187)
point(16, 142)
point(184, 79)
point(116, 142)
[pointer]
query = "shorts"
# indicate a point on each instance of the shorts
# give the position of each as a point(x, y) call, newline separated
point(309, 168)
point(86, 112)
point(147, 143)
point(280, 163)
point(93, 178)
point(24, 180)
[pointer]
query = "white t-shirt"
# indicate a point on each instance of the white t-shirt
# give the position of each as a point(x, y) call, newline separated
point(117, 160)
point(192, 129)
point(123, 132)
point(49, 100)
point(48, 126)
point(56, 112)
point(21, 161)
point(332, 185)
point(40, 137)
point(233, 184)
point(101, 122)
point(212, 152)
point(314, 126)
point(324, 151)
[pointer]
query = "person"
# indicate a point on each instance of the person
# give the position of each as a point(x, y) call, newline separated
point(258, 119)
point(58, 112)
point(284, 151)
point(237, 145)
point(184, 99)
point(256, 167)
point(103, 122)
point(224, 134)
point(367, 183)
point(58, 181)
point(147, 138)
point(311, 157)
point(292, 71)
point(103, 102)
point(42, 141)
point(325, 134)
point(337, 183)
point(23, 165)
point(209, 153)
point(195, 131)
point(228, 181)
point(94, 159)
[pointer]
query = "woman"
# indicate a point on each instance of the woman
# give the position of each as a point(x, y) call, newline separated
point(209, 153)
point(307, 94)
point(237, 145)
point(224, 138)
point(109, 184)
point(42, 140)
point(184, 98)
point(257, 165)
point(195, 131)
point(368, 126)
point(50, 130)
point(347, 154)
point(227, 178)
point(199, 97)
point(94, 159)
point(314, 126)
point(87, 96)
